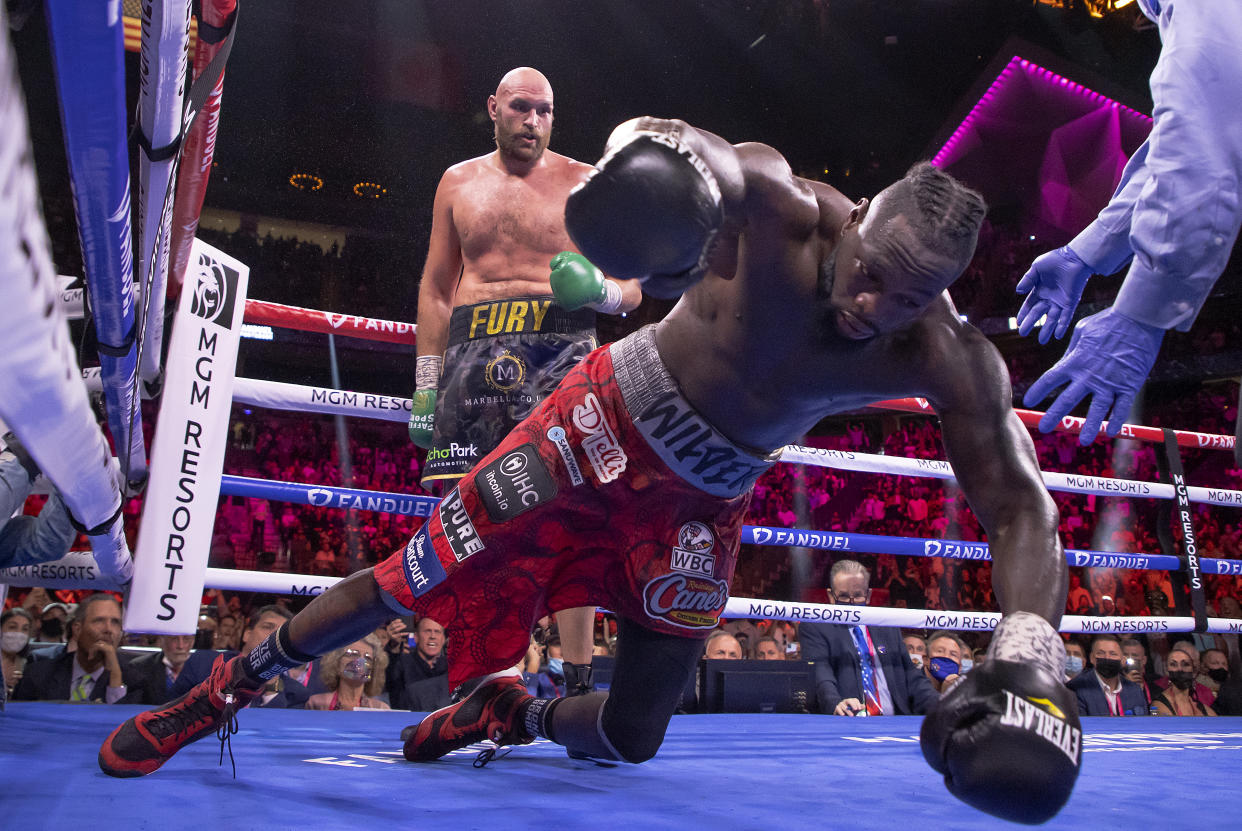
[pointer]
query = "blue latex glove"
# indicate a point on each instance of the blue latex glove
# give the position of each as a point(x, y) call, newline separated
point(1055, 282)
point(1109, 358)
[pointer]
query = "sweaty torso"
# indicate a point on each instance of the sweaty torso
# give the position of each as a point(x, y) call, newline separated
point(510, 226)
point(754, 349)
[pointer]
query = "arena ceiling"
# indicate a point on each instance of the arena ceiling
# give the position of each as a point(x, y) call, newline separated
point(391, 92)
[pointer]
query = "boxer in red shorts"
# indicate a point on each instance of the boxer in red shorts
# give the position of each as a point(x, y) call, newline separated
point(627, 486)
point(576, 508)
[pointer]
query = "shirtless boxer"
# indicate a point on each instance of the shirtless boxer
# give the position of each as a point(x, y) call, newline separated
point(797, 304)
point(485, 307)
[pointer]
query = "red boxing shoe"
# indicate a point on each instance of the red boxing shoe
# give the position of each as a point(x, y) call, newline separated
point(148, 740)
point(490, 712)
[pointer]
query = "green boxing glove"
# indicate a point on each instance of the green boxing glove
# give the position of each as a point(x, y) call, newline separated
point(577, 283)
point(423, 405)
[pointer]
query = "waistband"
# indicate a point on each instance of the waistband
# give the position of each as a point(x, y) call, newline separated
point(517, 316)
point(686, 441)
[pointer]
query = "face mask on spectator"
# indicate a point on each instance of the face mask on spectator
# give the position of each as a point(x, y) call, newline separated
point(967, 665)
point(1220, 675)
point(942, 668)
point(51, 630)
point(556, 666)
point(1107, 667)
point(357, 669)
point(14, 641)
point(917, 660)
point(1073, 665)
point(1183, 679)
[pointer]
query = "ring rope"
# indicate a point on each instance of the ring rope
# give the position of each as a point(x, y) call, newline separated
point(1073, 424)
point(421, 506)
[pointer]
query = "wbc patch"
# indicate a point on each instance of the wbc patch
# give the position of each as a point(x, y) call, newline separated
point(423, 570)
point(458, 529)
point(514, 484)
point(693, 552)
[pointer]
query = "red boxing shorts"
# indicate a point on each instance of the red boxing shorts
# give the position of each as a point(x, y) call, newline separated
point(614, 492)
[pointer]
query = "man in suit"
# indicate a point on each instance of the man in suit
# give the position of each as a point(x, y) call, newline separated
point(1101, 689)
point(280, 692)
point(95, 671)
point(158, 671)
point(861, 669)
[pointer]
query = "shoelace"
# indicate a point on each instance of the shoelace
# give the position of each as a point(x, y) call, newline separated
point(185, 718)
point(227, 727)
point(491, 754)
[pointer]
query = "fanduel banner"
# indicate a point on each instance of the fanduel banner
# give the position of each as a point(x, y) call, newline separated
point(187, 455)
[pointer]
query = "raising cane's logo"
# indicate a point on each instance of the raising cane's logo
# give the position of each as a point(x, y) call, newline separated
point(685, 601)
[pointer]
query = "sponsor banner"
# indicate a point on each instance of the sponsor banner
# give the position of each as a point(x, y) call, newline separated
point(329, 323)
point(423, 570)
point(458, 529)
point(557, 436)
point(76, 570)
point(275, 395)
point(748, 607)
point(515, 483)
point(322, 496)
point(188, 451)
point(298, 585)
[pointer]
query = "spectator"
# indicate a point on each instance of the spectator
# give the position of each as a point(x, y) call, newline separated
point(15, 626)
point(917, 648)
point(1199, 692)
point(1229, 700)
point(354, 676)
point(722, 645)
point(52, 628)
point(944, 659)
point(1178, 699)
point(1134, 665)
point(94, 671)
point(418, 678)
point(1101, 690)
point(767, 649)
point(1214, 670)
point(280, 692)
point(158, 671)
point(1075, 659)
point(861, 669)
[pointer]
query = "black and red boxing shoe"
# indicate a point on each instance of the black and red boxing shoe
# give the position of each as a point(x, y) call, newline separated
point(148, 740)
point(492, 712)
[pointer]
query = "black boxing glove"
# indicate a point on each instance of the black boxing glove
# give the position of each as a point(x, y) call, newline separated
point(649, 211)
point(1007, 737)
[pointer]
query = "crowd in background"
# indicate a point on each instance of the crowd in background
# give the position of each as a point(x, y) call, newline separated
point(369, 277)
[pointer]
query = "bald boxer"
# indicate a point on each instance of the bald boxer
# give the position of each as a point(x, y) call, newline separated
point(629, 485)
point(486, 314)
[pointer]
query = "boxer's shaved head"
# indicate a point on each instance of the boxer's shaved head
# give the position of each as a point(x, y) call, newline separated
point(521, 112)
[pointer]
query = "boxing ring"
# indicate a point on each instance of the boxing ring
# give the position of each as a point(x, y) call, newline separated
point(297, 769)
point(741, 772)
